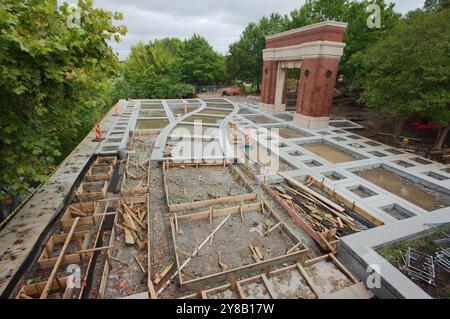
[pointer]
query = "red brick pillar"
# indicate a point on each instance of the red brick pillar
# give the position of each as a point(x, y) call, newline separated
point(269, 81)
point(315, 92)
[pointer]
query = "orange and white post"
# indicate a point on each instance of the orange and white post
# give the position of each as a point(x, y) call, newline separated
point(98, 133)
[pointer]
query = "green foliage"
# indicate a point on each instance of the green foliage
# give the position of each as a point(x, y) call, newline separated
point(53, 84)
point(358, 35)
point(410, 68)
point(394, 253)
point(199, 63)
point(436, 5)
point(168, 68)
point(244, 61)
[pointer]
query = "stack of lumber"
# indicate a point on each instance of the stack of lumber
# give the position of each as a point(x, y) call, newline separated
point(318, 211)
point(134, 224)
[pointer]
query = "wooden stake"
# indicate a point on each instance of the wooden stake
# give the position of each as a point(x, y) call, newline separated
point(162, 274)
point(273, 228)
point(175, 219)
point(60, 258)
point(194, 253)
point(293, 248)
point(139, 264)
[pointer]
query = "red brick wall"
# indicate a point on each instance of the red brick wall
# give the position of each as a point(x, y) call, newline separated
point(325, 33)
point(269, 82)
point(315, 92)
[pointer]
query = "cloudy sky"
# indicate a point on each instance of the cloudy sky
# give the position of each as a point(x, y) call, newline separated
point(219, 21)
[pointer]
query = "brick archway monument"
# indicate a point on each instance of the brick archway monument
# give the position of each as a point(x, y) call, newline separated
point(315, 49)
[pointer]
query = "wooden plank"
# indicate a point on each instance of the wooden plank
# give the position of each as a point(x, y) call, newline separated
point(294, 247)
point(313, 261)
point(243, 270)
point(150, 287)
point(240, 291)
point(49, 283)
point(221, 212)
point(133, 215)
point(259, 253)
point(357, 209)
point(306, 227)
point(211, 202)
point(129, 239)
point(312, 192)
point(196, 251)
point(107, 265)
point(343, 269)
point(162, 274)
point(309, 281)
point(269, 286)
point(329, 246)
point(273, 228)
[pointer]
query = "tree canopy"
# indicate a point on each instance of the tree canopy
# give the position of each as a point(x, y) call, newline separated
point(54, 84)
point(244, 61)
point(410, 70)
point(199, 63)
point(170, 68)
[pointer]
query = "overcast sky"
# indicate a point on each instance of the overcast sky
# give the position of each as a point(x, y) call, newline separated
point(220, 21)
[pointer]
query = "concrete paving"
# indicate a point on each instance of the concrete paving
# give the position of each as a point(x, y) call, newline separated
point(358, 251)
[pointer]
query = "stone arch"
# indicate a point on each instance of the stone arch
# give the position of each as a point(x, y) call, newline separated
point(317, 50)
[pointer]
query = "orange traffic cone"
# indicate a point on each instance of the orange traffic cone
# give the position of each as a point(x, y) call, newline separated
point(98, 133)
point(186, 108)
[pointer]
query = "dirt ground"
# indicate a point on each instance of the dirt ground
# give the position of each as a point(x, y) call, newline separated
point(415, 193)
point(232, 241)
point(201, 184)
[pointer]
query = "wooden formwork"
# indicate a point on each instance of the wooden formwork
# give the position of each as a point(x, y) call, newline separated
point(107, 264)
point(86, 211)
point(295, 255)
point(237, 285)
point(58, 290)
point(99, 172)
point(106, 160)
point(80, 238)
point(204, 203)
point(91, 191)
point(326, 240)
point(85, 249)
point(97, 247)
point(139, 233)
point(141, 174)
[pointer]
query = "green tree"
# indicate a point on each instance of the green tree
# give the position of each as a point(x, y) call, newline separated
point(54, 83)
point(358, 35)
point(199, 63)
point(436, 5)
point(244, 61)
point(153, 71)
point(410, 71)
